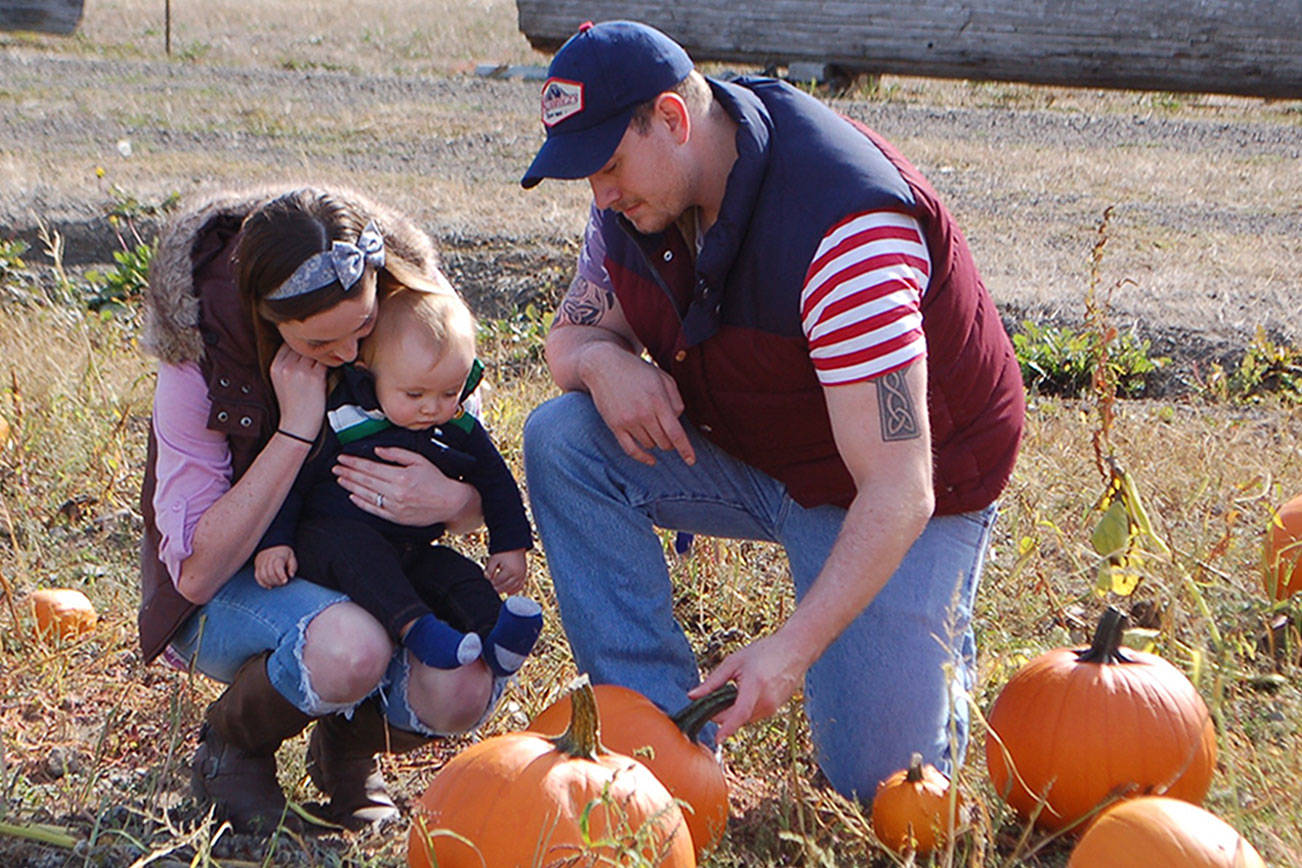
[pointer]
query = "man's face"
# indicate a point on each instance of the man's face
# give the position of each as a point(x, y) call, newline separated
point(644, 179)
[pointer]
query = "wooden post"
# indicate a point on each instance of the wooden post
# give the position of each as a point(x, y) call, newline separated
point(1251, 47)
point(46, 16)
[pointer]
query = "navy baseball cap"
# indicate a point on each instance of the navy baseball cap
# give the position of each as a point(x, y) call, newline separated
point(600, 75)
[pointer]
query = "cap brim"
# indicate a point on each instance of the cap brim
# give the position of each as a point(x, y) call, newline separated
point(577, 154)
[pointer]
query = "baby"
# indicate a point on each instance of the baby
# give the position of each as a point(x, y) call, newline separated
point(415, 371)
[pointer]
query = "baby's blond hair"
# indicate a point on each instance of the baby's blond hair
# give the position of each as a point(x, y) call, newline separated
point(434, 316)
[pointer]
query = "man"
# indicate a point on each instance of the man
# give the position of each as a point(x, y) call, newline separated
point(826, 371)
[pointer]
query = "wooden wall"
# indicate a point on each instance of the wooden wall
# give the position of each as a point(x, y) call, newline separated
point(49, 16)
point(1251, 47)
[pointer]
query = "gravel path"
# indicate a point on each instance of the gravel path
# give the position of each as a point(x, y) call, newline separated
point(1204, 243)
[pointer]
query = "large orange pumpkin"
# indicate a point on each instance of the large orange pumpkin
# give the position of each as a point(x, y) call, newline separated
point(523, 799)
point(64, 613)
point(1080, 725)
point(632, 724)
point(1283, 551)
point(1160, 832)
point(911, 809)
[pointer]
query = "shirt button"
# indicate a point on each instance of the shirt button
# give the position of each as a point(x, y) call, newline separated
point(706, 428)
point(244, 389)
point(223, 416)
point(680, 355)
point(245, 422)
point(224, 381)
point(669, 255)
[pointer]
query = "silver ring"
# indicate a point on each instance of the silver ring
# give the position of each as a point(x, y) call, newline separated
point(379, 500)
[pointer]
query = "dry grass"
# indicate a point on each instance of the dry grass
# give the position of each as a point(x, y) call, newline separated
point(94, 743)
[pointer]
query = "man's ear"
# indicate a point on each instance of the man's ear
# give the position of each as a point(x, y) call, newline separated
point(671, 109)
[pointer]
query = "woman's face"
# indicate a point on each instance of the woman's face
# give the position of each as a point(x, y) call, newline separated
point(331, 336)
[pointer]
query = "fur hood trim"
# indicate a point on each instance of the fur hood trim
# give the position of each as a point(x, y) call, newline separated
point(171, 318)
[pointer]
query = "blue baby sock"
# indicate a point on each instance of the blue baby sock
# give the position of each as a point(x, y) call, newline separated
point(512, 637)
point(437, 644)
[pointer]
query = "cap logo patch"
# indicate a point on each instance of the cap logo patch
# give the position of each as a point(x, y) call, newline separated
point(561, 99)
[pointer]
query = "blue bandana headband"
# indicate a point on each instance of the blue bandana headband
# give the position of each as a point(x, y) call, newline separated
point(343, 262)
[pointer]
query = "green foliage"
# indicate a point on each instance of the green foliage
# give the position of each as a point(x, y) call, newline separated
point(109, 292)
point(1266, 368)
point(11, 257)
point(127, 207)
point(1060, 361)
point(515, 342)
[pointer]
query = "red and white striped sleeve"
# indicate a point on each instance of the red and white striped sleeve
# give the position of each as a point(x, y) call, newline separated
point(861, 303)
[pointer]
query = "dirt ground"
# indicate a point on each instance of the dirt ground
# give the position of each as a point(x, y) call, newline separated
point(1204, 243)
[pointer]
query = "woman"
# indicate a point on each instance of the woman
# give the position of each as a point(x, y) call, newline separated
point(252, 298)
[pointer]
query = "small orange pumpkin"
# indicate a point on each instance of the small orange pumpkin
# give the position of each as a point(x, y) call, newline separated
point(62, 612)
point(911, 809)
point(632, 724)
point(1081, 724)
point(524, 799)
point(1283, 551)
point(1153, 831)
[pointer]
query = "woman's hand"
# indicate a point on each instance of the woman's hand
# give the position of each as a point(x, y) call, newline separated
point(300, 386)
point(408, 490)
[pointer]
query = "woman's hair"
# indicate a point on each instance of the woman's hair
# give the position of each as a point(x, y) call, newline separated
point(284, 233)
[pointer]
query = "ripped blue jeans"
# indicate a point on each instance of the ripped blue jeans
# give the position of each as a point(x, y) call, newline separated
point(245, 619)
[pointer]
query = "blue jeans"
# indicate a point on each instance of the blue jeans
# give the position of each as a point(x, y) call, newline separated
point(894, 682)
point(245, 619)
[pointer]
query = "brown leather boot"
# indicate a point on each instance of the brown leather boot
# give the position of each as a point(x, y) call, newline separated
point(235, 765)
point(341, 762)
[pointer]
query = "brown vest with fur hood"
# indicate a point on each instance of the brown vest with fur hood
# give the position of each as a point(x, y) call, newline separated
point(194, 314)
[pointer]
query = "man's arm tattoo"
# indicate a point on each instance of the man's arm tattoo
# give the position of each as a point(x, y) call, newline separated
point(585, 303)
point(895, 406)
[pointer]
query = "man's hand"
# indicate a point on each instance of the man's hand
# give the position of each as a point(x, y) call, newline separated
point(274, 566)
point(767, 673)
point(507, 571)
point(638, 402)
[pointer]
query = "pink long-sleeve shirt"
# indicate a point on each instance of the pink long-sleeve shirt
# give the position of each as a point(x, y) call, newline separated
point(193, 467)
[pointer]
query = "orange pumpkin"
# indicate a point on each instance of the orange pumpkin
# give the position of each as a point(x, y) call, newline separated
point(525, 799)
point(1079, 725)
point(1283, 551)
point(632, 724)
point(911, 809)
point(64, 613)
point(1156, 831)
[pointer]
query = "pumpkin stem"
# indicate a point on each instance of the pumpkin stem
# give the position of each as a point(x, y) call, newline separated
point(914, 774)
point(582, 738)
point(697, 713)
point(1106, 647)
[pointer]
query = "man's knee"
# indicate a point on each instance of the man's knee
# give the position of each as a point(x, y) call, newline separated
point(556, 423)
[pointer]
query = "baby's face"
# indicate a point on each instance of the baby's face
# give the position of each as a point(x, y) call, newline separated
point(415, 389)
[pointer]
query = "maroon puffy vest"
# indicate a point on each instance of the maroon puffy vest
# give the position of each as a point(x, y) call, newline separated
point(242, 409)
point(728, 328)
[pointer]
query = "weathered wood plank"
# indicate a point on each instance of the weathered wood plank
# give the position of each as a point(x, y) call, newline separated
point(48, 16)
point(1251, 47)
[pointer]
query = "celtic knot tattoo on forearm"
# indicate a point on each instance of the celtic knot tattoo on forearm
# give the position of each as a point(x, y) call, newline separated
point(895, 406)
point(585, 303)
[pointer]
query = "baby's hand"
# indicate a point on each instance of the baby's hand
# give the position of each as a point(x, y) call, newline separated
point(274, 566)
point(507, 571)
